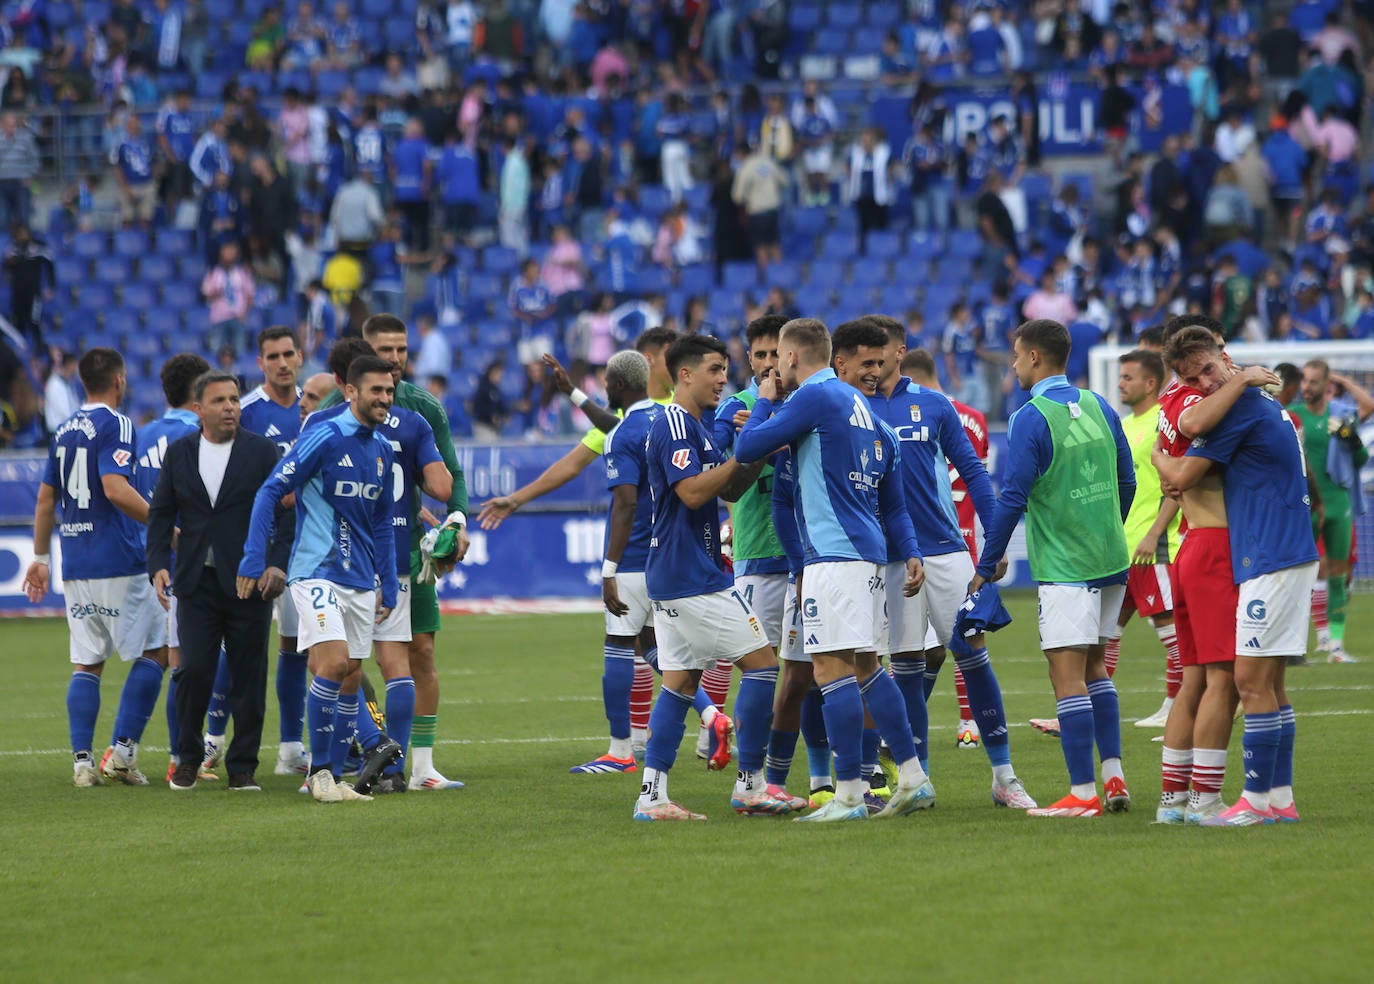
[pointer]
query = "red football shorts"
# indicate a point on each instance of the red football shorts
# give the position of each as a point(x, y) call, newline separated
point(1205, 598)
point(1149, 589)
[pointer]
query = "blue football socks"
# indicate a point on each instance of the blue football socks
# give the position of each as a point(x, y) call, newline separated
point(291, 686)
point(138, 700)
point(83, 706)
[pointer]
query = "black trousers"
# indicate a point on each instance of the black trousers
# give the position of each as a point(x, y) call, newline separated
point(206, 620)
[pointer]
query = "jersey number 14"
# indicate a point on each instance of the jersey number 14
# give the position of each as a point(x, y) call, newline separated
point(75, 482)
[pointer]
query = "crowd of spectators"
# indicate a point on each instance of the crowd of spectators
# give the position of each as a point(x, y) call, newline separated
point(522, 176)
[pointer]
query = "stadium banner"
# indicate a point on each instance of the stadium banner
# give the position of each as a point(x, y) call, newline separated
point(550, 549)
point(1068, 115)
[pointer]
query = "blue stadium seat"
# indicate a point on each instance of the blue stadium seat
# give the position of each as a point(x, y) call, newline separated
point(896, 300)
point(123, 324)
point(884, 245)
point(831, 41)
point(88, 245)
point(330, 83)
point(282, 313)
point(379, 9)
point(138, 296)
point(870, 272)
point(699, 279)
point(399, 33)
point(238, 31)
point(742, 275)
point(652, 279)
point(1085, 183)
point(883, 15)
point(654, 200)
point(210, 83)
point(840, 16)
point(867, 41)
point(264, 82)
point(96, 12)
point(812, 297)
point(175, 242)
point(953, 271)
point(501, 261)
point(167, 322)
point(964, 242)
point(111, 270)
point(220, 11)
point(131, 242)
point(808, 221)
point(368, 79)
point(93, 297)
point(182, 295)
point(70, 271)
point(803, 18)
point(156, 268)
point(485, 286)
point(253, 9)
point(698, 199)
point(785, 274)
point(143, 345)
point(837, 247)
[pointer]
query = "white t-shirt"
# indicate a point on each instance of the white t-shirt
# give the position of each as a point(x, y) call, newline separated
point(214, 461)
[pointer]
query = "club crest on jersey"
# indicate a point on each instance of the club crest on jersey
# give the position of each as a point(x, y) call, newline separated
point(877, 450)
point(915, 414)
point(682, 458)
point(121, 457)
point(322, 619)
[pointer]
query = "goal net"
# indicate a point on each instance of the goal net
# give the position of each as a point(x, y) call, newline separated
point(1352, 359)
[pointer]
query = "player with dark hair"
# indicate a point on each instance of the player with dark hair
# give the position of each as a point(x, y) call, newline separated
point(699, 616)
point(178, 374)
point(1069, 470)
point(88, 495)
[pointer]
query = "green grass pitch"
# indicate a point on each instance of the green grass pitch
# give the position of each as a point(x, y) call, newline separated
point(533, 874)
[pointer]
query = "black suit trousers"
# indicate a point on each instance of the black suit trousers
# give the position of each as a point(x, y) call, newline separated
point(206, 620)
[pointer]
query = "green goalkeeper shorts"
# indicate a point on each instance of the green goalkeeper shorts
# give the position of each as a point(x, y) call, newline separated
point(424, 608)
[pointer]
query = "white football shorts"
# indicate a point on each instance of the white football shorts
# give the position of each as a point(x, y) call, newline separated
point(843, 605)
point(396, 626)
point(288, 619)
point(110, 615)
point(1272, 612)
point(1073, 616)
point(767, 594)
point(634, 593)
point(329, 613)
point(695, 632)
point(913, 622)
point(792, 649)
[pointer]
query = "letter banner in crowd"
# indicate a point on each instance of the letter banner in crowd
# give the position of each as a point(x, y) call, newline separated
point(1068, 115)
point(550, 549)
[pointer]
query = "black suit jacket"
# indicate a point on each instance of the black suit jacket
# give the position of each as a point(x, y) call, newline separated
point(180, 500)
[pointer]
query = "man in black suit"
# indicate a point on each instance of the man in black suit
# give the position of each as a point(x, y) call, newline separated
point(204, 498)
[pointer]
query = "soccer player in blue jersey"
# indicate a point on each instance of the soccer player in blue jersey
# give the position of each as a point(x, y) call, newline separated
point(344, 549)
point(88, 494)
point(629, 612)
point(933, 438)
point(699, 616)
point(178, 374)
point(273, 409)
point(762, 576)
point(417, 463)
point(848, 476)
point(1273, 561)
point(1069, 470)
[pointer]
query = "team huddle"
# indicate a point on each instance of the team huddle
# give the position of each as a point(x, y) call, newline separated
point(853, 483)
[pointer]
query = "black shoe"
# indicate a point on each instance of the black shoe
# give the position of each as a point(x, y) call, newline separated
point(391, 782)
point(241, 782)
point(388, 750)
point(184, 776)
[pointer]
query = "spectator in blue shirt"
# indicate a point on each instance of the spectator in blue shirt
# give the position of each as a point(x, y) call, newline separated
point(1286, 162)
point(926, 160)
point(176, 138)
point(411, 175)
point(460, 188)
point(134, 172)
point(987, 52)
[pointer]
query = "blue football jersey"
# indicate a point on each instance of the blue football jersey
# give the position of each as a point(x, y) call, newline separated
point(930, 432)
point(684, 555)
point(412, 442)
point(153, 440)
point(626, 447)
point(98, 540)
point(786, 522)
point(264, 415)
point(341, 473)
point(843, 456)
point(1265, 486)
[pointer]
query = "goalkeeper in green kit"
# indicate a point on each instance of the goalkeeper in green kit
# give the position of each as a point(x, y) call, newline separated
point(386, 334)
point(1335, 455)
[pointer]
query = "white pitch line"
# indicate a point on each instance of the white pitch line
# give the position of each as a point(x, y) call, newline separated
point(561, 740)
